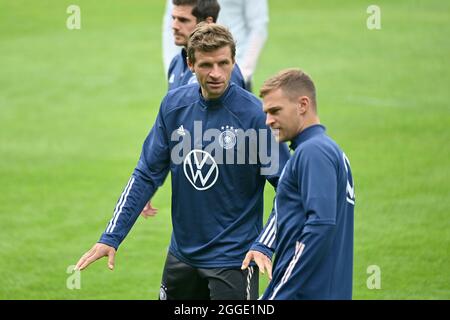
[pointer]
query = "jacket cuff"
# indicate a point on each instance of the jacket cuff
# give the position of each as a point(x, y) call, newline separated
point(109, 240)
point(263, 249)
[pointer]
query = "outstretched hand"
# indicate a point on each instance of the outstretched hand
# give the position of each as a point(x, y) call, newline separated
point(99, 250)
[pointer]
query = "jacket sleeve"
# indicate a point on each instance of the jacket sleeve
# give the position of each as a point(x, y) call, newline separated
point(149, 174)
point(277, 154)
point(266, 241)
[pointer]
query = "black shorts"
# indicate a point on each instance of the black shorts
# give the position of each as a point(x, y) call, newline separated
point(181, 281)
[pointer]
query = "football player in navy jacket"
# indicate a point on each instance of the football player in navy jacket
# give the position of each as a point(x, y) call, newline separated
point(213, 139)
point(311, 228)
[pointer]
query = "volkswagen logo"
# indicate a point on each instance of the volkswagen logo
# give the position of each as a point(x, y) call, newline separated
point(200, 169)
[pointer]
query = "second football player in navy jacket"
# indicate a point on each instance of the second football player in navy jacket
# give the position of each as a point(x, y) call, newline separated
point(311, 229)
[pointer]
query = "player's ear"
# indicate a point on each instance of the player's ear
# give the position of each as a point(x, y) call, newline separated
point(303, 104)
point(190, 65)
point(209, 20)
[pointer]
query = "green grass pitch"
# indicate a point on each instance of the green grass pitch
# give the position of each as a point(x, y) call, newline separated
point(76, 105)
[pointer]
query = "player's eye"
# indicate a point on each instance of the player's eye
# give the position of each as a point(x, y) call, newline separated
point(274, 111)
point(204, 65)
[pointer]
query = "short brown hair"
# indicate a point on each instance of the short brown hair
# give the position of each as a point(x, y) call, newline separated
point(209, 37)
point(294, 83)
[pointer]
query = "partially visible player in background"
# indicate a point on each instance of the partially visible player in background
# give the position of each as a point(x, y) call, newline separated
point(312, 228)
point(248, 22)
point(169, 48)
point(186, 14)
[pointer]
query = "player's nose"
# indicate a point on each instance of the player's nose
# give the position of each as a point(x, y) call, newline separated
point(175, 26)
point(216, 72)
point(269, 120)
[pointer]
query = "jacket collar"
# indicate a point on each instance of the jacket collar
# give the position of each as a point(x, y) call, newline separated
point(307, 134)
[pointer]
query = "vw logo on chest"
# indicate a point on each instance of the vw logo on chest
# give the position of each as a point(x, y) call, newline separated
point(200, 169)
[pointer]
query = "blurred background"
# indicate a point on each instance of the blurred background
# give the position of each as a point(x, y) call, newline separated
point(76, 106)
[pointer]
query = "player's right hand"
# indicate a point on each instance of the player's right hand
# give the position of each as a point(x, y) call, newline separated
point(149, 211)
point(262, 261)
point(99, 250)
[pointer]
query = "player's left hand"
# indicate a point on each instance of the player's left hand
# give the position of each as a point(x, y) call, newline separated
point(149, 211)
point(262, 261)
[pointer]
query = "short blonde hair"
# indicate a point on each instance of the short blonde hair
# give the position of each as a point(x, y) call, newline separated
point(209, 37)
point(294, 83)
